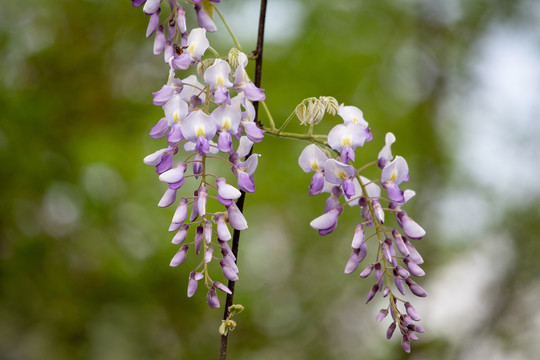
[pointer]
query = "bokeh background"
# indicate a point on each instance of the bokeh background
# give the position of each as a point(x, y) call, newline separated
point(84, 249)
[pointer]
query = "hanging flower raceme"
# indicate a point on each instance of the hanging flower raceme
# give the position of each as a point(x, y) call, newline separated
point(392, 245)
point(201, 118)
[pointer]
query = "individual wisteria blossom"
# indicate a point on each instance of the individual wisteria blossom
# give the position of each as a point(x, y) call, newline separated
point(200, 117)
point(396, 259)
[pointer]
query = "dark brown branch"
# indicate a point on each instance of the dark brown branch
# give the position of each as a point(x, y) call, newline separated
point(240, 202)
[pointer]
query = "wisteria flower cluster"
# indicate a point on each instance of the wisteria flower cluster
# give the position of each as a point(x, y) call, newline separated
point(347, 186)
point(206, 117)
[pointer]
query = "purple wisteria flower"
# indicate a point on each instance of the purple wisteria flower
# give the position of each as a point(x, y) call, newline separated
point(212, 120)
point(397, 259)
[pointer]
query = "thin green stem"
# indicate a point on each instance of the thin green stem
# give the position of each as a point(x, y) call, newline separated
point(238, 46)
point(287, 121)
point(214, 51)
point(270, 118)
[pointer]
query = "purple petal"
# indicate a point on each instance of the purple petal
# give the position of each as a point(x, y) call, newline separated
point(347, 155)
point(180, 236)
point(159, 41)
point(415, 288)
point(365, 273)
point(252, 131)
point(153, 23)
point(169, 197)
point(317, 183)
point(382, 314)
point(358, 237)
point(394, 193)
point(208, 232)
point(228, 272)
point(180, 256)
point(413, 267)
point(236, 218)
point(160, 129)
point(165, 164)
point(181, 62)
point(372, 293)
point(204, 20)
point(137, 3)
point(221, 287)
point(222, 229)
point(400, 286)
point(390, 330)
point(225, 142)
point(212, 299)
point(398, 240)
point(208, 254)
point(192, 284)
point(414, 255)
point(201, 201)
point(410, 227)
point(253, 93)
point(245, 182)
point(151, 6)
point(405, 344)
point(412, 311)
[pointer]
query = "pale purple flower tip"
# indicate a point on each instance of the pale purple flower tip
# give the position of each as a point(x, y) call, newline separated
point(412, 335)
point(163, 95)
point(201, 201)
point(418, 329)
point(333, 201)
point(227, 191)
point(169, 197)
point(406, 344)
point(222, 229)
point(137, 3)
point(386, 252)
point(194, 207)
point(385, 155)
point(386, 291)
point(358, 237)
point(400, 286)
point(204, 20)
point(208, 254)
point(390, 330)
point(180, 236)
point(381, 315)
point(414, 255)
point(236, 218)
point(406, 319)
point(365, 273)
point(372, 292)
point(228, 271)
point(398, 240)
point(401, 272)
point(174, 175)
point(151, 6)
point(197, 165)
point(327, 221)
point(411, 311)
point(193, 283)
point(379, 213)
point(153, 23)
point(208, 231)
point(180, 256)
point(252, 131)
point(413, 267)
point(221, 287)
point(212, 299)
point(181, 19)
point(198, 246)
point(378, 271)
point(415, 288)
point(160, 129)
point(159, 41)
point(410, 227)
point(203, 146)
point(354, 260)
point(252, 92)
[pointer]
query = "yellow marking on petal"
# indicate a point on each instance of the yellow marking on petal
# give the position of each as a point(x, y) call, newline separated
point(219, 81)
point(199, 131)
point(176, 117)
point(342, 175)
point(393, 176)
point(226, 124)
point(346, 141)
point(355, 120)
point(191, 50)
point(314, 166)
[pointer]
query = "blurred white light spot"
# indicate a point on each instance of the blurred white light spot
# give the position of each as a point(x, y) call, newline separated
point(102, 182)
point(61, 209)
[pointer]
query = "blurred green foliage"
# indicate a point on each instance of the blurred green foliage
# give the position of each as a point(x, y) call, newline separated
point(84, 249)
